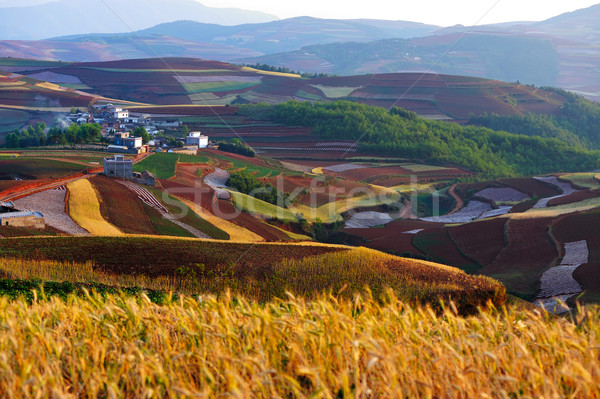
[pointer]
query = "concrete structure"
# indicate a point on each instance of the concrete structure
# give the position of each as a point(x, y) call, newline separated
point(120, 113)
point(118, 167)
point(132, 142)
point(146, 178)
point(120, 138)
point(197, 139)
point(9, 216)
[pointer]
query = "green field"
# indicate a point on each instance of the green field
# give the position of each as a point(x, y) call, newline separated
point(215, 87)
point(584, 180)
point(184, 214)
point(256, 206)
point(164, 165)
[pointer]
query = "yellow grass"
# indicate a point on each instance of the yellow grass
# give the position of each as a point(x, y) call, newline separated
point(287, 75)
point(84, 208)
point(327, 348)
point(236, 233)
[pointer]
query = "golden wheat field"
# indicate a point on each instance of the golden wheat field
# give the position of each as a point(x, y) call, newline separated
point(84, 208)
point(122, 347)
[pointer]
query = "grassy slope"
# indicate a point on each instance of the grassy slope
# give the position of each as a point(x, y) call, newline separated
point(262, 270)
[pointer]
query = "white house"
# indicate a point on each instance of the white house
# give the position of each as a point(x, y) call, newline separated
point(197, 139)
point(120, 113)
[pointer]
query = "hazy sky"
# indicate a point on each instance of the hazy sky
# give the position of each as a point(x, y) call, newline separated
point(437, 12)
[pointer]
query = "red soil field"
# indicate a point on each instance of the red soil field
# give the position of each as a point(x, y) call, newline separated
point(390, 238)
point(121, 207)
point(438, 245)
point(481, 241)
point(577, 227)
point(204, 196)
point(530, 251)
point(187, 111)
point(575, 197)
point(155, 63)
point(161, 257)
point(532, 187)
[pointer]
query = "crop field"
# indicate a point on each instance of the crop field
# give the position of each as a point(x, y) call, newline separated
point(154, 256)
point(120, 207)
point(184, 214)
point(571, 229)
point(529, 251)
point(576, 197)
point(481, 241)
point(223, 214)
point(333, 351)
point(37, 168)
point(438, 245)
point(84, 208)
point(262, 208)
point(164, 165)
point(532, 187)
point(583, 180)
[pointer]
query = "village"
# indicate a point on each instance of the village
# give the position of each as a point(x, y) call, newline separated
point(118, 127)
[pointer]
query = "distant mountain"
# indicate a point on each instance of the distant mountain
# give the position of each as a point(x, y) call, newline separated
point(277, 36)
point(68, 17)
point(493, 56)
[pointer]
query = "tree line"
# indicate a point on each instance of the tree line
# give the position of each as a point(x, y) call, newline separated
point(576, 122)
point(400, 133)
point(248, 184)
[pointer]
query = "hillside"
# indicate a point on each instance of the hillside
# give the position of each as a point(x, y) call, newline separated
point(500, 57)
point(42, 21)
point(192, 81)
point(556, 52)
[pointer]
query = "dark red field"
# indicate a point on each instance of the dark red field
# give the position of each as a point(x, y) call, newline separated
point(575, 197)
point(530, 251)
point(438, 245)
point(481, 241)
point(204, 196)
point(390, 237)
point(532, 187)
point(121, 207)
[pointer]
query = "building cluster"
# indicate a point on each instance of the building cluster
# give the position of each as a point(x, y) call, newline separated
point(10, 216)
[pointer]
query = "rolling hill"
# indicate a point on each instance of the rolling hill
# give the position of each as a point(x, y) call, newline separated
point(68, 17)
point(177, 81)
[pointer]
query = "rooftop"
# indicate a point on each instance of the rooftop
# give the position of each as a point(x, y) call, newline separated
point(21, 214)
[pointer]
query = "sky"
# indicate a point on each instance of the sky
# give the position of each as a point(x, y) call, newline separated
point(436, 12)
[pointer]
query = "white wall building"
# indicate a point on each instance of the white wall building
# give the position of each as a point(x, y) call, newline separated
point(197, 139)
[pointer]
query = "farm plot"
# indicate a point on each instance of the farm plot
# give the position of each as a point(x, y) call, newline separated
point(438, 245)
point(558, 283)
point(154, 257)
point(343, 167)
point(474, 210)
point(84, 208)
point(577, 196)
point(217, 180)
point(565, 188)
point(365, 220)
point(223, 214)
point(529, 252)
point(584, 180)
point(121, 207)
point(502, 195)
point(481, 241)
point(532, 187)
point(145, 196)
point(51, 203)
